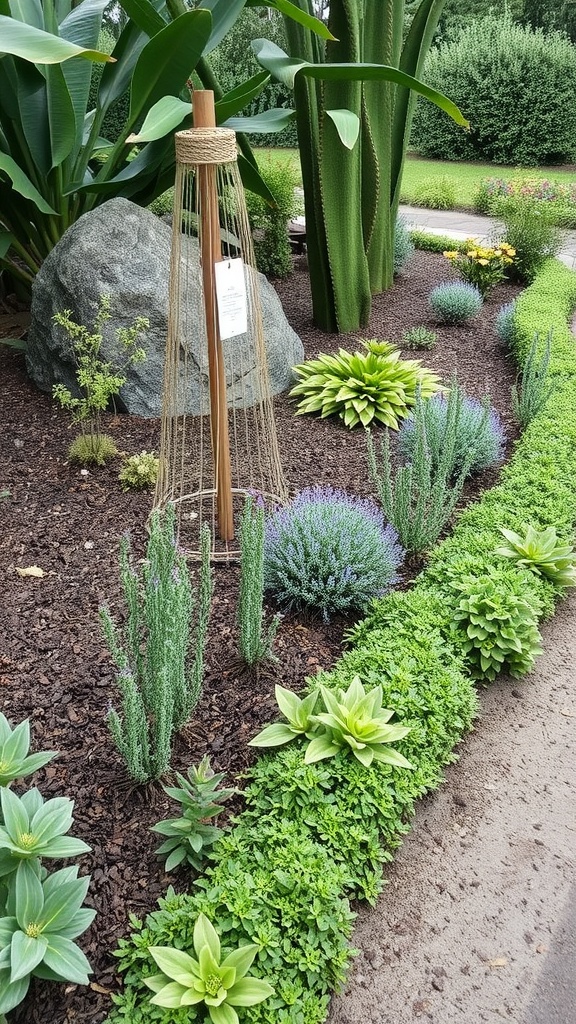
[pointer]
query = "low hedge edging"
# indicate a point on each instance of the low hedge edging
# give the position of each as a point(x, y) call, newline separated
point(313, 836)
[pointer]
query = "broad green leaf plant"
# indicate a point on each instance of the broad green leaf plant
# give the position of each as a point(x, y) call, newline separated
point(50, 141)
point(219, 983)
point(41, 914)
point(359, 387)
point(352, 721)
point(542, 552)
point(354, 97)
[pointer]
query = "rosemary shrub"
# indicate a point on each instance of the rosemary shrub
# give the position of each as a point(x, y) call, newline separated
point(533, 389)
point(165, 619)
point(255, 639)
point(420, 497)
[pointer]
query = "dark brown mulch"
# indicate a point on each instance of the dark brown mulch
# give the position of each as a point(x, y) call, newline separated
point(54, 667)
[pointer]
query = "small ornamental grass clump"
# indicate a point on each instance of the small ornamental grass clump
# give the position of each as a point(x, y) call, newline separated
point(329, 551)
point(363, 386)
point(533, 387)
point(477, 433)
point(455, 302)
point(403, 245)
point(505, 323)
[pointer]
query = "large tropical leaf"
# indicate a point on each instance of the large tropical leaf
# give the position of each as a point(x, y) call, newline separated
point(289, 10)
point(167, 61)
point(40, 47)
point(165, 116)
point(82, 27)
point(225, 14)
point(145, 15)
point(274, 120)
point(285, 69)
point(235, 100)
point(22, 184)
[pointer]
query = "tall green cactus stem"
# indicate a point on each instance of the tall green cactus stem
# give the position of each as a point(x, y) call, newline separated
point(351, 196)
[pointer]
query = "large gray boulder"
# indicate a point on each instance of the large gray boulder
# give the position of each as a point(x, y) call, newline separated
point(123, 251)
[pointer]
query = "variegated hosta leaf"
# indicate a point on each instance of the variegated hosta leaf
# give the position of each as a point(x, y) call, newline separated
point(359, 387)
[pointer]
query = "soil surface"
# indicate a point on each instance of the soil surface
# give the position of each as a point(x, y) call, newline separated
point(478, 922)
point(54, 666)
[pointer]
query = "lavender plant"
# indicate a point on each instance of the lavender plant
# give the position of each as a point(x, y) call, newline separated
point(255, 640)
point(505, 322)
point(165, 621)
point(455, 302)
point(329, 551)
point(477, 439)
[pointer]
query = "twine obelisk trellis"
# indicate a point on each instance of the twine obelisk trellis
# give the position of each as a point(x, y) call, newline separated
point(218, 439)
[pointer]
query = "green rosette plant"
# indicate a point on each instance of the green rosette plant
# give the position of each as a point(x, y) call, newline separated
point(542, 553)
point(189, 837)
point(41, 920)
point(32, 827)
point(500, 626)
point(15, 761)
point(221, 984)
point(363, 386)
point(353, 720)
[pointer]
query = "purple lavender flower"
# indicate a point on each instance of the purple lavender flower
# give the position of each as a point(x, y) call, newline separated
point(330, 551)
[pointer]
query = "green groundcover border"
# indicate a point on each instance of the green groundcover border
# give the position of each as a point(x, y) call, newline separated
point(313, 837)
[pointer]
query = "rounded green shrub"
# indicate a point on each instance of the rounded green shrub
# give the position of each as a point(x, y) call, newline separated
point(419, 337)
point(455, 302)
point(517, 116)
point(499, 617)
point(270, 224)
point(436, 194)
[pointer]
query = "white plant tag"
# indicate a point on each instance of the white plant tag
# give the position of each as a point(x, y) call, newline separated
point(231, 298)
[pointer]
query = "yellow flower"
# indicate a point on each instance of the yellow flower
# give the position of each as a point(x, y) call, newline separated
point(472, 254)
point(497, 252)
point(450, 255)
point(484, 263)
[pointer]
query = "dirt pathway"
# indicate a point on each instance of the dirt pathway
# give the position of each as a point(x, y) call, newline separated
point(478, 921)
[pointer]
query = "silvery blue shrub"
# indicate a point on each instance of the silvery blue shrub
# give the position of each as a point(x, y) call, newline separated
point(477, 428)
point(455, 302)
point(505, 322)
point(329, 551)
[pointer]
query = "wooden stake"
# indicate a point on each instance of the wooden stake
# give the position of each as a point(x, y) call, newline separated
point(204, 116)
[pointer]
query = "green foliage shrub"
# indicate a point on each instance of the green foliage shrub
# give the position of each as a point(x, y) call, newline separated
point(329, 551)
point(542, 552)
point(270, 224)
point(403, 245)
point(455, 302)
point(499, 619)
point(516, 116)
point(139, 471)
point(531, 229)
point(92, 449)
point(436, 194)
point(428, 242)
